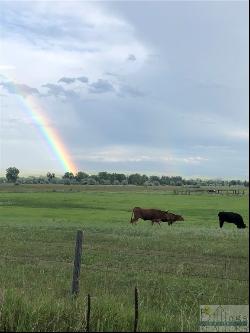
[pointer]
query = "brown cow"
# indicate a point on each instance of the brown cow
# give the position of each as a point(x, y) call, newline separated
point(171, 218)
point(153, 215)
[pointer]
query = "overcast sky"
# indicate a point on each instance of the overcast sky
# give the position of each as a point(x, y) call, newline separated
point(149, 87)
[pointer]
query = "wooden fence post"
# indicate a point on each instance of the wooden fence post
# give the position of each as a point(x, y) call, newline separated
point(88, 314)
point(77, 263)
point(136, 310)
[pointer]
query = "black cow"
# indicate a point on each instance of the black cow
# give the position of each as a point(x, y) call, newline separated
point(153, 215)
point(231, 218)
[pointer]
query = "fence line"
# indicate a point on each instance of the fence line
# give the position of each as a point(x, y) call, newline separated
point(171, 273)
point(76, 277)
point(77, 263)
point(199, 295)
point(209, 191)
point(136, 306)
point(136, 310)
point(95, 268)
point(181, 257)
point(88, 313)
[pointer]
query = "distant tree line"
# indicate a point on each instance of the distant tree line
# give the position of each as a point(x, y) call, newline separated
point(106, 178)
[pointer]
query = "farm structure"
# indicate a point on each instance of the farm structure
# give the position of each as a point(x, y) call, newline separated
point(211, 191)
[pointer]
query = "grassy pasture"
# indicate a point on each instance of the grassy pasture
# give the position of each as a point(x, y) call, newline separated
point(176, 268)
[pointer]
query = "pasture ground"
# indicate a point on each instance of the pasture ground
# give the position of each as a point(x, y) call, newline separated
point(176, 268)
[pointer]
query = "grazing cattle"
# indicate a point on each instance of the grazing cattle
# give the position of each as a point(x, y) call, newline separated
point(153, 215)
point(231, 218)
point(171, 218)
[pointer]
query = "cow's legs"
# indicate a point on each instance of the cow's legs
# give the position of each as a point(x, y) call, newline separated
point(221, 223)
point(156, 221)
point(134, 221)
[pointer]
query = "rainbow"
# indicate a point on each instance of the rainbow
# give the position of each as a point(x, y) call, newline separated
point(49, 133)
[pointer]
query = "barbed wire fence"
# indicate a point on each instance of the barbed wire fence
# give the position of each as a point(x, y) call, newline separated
point(78, 263)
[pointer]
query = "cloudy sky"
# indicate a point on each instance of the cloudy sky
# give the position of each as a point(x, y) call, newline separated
point(152, 87)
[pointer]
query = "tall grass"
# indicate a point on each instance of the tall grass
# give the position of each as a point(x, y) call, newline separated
point(176, 268)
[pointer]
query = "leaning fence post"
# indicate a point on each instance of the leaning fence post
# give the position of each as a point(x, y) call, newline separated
point(88, 314)
point(136, 310)
point(77, 263)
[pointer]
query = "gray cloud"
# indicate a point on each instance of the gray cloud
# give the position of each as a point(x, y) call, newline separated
point(47, 29)
point(127, 90)
point(98, 87)
point(194, 74)
point(57, 90)
point(113, 74)
point(67, 80)
point(19, 88)
point(131, 57)
point(54, 89)
point(83, 79)
point(101, 86)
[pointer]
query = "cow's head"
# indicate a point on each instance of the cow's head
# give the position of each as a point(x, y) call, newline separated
point(179, 218)
point(242, 226)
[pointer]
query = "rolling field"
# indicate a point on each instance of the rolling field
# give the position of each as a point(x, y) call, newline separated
point(176, 268)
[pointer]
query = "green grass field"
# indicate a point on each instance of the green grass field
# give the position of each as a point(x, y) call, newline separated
point(176, 268)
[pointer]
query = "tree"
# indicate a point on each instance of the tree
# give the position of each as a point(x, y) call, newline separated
point(50, 176)
point(68, 175)
point(91, 181)
point(144, 178)
point(165, 180)
point(80, 176)
point(105, 182)
point(246, 183)
point(153, 179)
point(104, 176)
point(116, 178)
point(12, 174)
point(136, 179)
point(120, 177)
